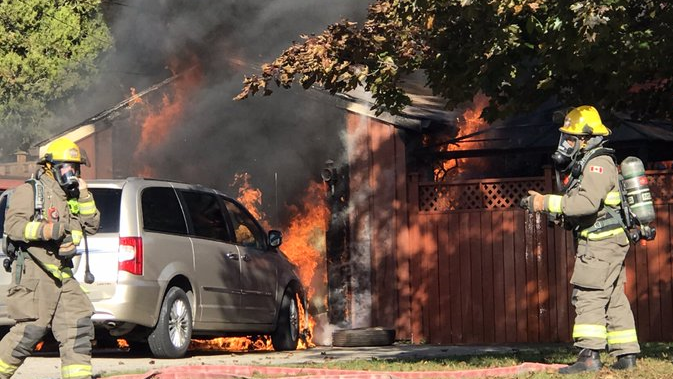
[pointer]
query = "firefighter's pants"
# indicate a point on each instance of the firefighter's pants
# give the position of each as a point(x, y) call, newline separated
point(39, 303)
point(603, 311)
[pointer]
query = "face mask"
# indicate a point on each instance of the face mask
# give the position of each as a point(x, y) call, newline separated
point(66, 175)
point(565, 153)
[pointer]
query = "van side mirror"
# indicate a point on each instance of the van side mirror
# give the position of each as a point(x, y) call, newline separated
point(275, 238)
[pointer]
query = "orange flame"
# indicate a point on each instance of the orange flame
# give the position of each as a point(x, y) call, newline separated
point(233, 343)
point(305, 325)
point(157, 122)
point(135, 99)
point(250, 197)
point(469, 123)
point(304, 242)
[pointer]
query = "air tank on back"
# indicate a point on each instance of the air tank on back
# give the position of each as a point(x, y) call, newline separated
point(637, 191)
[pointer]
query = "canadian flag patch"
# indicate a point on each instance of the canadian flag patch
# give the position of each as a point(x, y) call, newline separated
point(597, 169)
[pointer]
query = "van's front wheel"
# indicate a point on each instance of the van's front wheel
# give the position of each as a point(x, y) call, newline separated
point(286, 335)
point(173, 332)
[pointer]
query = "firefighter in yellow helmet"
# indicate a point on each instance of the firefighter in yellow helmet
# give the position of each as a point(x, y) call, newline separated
point(45, 221)
point(589, 205)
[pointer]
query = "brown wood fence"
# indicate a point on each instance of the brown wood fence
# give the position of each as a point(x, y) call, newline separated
point(468, 266)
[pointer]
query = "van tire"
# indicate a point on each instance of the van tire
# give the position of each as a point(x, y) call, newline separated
point(358, 337)
point(286, 335)
point(173, 332)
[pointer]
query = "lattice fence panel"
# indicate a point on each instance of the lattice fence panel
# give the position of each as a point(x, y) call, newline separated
point(487, 194)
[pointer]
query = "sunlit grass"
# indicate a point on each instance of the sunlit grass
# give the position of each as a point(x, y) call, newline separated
point(654, 362)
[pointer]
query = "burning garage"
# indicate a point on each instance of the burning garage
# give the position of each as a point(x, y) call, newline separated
point(448, 256)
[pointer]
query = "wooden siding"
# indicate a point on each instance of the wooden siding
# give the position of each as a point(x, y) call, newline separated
point(502, 275)
point(485, 272)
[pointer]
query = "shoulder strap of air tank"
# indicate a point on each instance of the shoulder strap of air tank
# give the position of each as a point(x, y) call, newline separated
point(597, 153)
point(578, 168)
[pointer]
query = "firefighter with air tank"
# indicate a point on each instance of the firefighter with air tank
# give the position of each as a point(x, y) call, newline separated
point(594, 206)
point(46, 219)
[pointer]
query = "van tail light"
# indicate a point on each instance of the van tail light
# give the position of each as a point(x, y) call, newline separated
point(131, 255)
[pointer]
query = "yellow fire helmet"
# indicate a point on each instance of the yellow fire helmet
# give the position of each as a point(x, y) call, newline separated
point(584, 121)
point(63, 150)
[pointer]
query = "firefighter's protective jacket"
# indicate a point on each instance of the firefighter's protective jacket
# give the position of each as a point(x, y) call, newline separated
point(20, 226)
point(587, 202)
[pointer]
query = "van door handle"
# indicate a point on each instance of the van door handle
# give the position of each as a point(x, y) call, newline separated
point(233, 256)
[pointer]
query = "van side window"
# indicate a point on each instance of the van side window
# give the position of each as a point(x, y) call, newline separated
point(108, 202)
point(161, 211)
point(246, 231)
point(206, 215)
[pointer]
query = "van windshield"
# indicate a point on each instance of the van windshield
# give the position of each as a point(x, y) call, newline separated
point(108, 202)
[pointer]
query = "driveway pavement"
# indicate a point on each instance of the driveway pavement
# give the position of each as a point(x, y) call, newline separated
point(118, 362)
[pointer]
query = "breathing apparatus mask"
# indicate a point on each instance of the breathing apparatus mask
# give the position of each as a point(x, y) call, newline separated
point(66, 174)
point(566, 152)
point(571, 148)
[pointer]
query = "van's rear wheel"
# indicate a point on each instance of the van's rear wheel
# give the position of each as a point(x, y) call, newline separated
point(173, 332)
point(286, 335)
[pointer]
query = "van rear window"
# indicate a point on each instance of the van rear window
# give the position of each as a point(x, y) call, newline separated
point(108, 202)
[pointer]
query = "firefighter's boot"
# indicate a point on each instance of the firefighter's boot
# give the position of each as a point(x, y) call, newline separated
point(587, 360)
point(625, 362)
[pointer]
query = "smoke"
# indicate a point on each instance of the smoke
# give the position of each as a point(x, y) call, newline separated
point(282, 141)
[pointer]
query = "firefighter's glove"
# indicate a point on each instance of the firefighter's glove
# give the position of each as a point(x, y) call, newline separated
point(67, 248)
point(52, 230)
point(534, 202)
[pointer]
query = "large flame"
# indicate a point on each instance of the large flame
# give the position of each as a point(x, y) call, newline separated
point(468, 124)
point(304, 242)
point(157, 121)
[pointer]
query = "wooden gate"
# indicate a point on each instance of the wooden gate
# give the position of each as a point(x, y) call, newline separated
point(469, 266)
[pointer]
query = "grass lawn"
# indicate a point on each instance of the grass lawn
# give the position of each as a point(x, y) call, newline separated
point(653, 362)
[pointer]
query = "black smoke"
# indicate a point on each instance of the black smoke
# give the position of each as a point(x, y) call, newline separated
point(282, 141)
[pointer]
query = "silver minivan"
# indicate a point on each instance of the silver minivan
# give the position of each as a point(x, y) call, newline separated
point(174, 261)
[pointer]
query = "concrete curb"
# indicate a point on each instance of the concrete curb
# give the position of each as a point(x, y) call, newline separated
point(218, 371)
